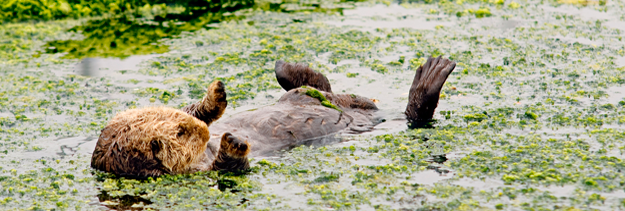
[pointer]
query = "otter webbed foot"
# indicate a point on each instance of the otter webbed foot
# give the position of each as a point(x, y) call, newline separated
point(425, 90)
point(232, 154)
point(291, 76)
point(212, 106)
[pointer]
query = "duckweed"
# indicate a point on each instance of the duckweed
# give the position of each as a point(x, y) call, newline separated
point(532, 117)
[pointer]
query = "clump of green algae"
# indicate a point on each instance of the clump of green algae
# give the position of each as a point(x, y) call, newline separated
point(322, 99)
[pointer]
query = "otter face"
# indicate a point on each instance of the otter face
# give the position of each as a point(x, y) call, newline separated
point(150, 142)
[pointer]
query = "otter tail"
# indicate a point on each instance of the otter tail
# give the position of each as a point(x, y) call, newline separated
point(425, 90)
point(291, 76)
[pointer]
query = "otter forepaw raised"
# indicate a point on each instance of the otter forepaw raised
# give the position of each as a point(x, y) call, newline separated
point(234, 146)
point(217, 91)
point(232, 154)
point(212, 106)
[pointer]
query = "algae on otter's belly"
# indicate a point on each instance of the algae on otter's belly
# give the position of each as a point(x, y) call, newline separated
point(317, 94)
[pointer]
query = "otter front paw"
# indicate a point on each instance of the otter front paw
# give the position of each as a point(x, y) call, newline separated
point(217, 93)
point(232, 154)
point(234, 146)
point(212, 106)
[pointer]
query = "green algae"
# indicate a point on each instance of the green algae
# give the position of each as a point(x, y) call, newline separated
point(322, 99)
point(210, 190)
point(533, 121)
point(14, 10)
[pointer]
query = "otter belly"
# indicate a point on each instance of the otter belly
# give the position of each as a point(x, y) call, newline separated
point(287, 125)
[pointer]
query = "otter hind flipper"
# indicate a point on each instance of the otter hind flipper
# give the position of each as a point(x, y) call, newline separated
point(425, 90)
point(438, 73)
point(291, 76)
point(212, 106)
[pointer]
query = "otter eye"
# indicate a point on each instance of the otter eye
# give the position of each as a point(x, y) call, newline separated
point(156, 146)
point(181, 132)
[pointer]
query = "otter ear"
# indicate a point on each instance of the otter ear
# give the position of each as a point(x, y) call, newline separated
point(183, 128)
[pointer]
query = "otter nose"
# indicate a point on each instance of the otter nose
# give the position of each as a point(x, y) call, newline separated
point(242, 146)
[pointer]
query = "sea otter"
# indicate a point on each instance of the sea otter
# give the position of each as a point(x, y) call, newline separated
point(154, 141)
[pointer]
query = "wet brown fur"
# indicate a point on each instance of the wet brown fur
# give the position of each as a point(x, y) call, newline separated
point(295, 75)
point(156, 141)
point(426, 88)
point(350, 101)
point(344, 101)
point(298, 119)
point(150, 142)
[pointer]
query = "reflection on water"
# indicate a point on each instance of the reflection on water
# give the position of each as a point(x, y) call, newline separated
point(114, 37)
point(126, 35)
point(126, 202)
point(132, 34)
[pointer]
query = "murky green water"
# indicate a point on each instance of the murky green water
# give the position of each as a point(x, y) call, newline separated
point(531, 119)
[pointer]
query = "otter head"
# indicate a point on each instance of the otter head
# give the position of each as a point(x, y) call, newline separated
point(151, 142)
